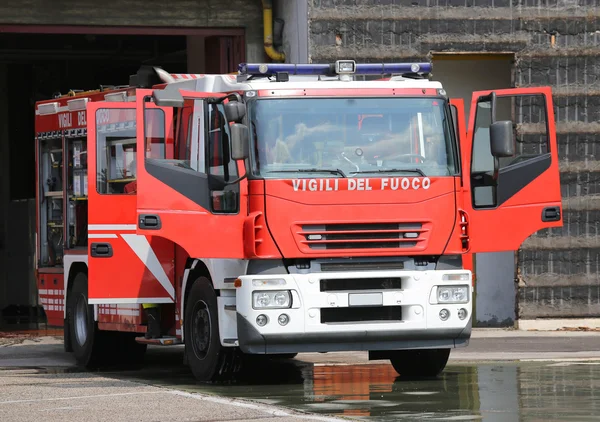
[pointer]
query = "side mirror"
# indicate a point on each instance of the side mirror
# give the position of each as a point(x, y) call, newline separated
point(502, 139)
point(235, 111)
point(240, 149)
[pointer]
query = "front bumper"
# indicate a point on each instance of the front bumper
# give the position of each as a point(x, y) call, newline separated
point(419, 326)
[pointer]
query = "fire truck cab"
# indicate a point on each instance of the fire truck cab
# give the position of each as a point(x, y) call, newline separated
point(284, 209)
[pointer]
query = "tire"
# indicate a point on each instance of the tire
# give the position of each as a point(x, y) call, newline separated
point(88, 343)
point(92, 347)
point(208, 360)
point(420, 363)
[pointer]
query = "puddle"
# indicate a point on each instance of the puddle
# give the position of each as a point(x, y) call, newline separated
point(484, 391)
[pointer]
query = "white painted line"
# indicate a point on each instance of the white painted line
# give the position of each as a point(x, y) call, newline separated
point(61, 408)
point(273, 411)
point(80, 397)
point(573, 363)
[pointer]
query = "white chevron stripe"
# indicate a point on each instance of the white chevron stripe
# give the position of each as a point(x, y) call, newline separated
point(143, 250)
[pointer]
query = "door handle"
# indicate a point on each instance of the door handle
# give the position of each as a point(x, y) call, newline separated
point(101, 250)
point(149, 222)
point(551, 214)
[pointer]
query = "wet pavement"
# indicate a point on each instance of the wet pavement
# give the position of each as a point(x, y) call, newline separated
point(507, 391)
point(562, 385)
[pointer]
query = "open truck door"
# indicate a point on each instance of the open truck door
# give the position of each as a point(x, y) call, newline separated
point(189, 190)
point(123, 267)
point(510, 169)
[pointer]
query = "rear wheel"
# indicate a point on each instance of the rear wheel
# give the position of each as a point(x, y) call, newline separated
point(420, 363)
point(88, 343)
point(206, 357)
point(93, 347)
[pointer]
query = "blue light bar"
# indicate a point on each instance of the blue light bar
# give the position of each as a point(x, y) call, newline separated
point(392, 68)
point(271, 69)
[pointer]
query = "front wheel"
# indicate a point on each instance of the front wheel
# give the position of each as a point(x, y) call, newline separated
point(207, 359)
point(420, 363)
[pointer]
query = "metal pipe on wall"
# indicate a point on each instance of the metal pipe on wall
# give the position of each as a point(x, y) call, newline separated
point(268, 32)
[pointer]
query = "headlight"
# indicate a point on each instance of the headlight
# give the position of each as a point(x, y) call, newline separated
point(272, 299)
point(453, 294)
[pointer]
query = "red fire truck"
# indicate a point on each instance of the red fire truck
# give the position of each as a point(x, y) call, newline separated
point(284, 209)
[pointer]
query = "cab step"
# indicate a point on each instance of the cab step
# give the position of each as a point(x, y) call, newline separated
point(162, 341)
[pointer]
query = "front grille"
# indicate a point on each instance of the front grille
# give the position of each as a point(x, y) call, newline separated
point(362, 236)
point(345, 284)
point(362, 266)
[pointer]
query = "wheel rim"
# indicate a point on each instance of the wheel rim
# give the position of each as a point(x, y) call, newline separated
point(81, 322)
point(201, 329)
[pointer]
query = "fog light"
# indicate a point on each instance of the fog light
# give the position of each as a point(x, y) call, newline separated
point(462, 313)
point(262, 320)
point(283, 319)
point(444, 314)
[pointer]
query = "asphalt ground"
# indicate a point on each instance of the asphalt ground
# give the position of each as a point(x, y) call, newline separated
point(39, 381)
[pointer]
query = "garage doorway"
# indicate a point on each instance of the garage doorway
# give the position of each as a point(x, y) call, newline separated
point(461, 74)
point(39, 62)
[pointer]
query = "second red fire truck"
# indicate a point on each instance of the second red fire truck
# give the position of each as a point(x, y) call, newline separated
point(285, 209)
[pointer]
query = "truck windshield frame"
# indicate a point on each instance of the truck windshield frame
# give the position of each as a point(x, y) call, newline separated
point(347, 136)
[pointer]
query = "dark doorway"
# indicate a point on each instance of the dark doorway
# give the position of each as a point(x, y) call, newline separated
point(37, 63)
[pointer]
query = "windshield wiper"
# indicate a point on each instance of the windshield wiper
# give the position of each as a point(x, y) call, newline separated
point(332, 171)
point(419, 171)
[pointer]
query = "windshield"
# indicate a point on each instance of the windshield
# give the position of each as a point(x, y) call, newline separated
point(343, 137)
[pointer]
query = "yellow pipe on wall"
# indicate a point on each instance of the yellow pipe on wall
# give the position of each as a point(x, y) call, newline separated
point(268, 32)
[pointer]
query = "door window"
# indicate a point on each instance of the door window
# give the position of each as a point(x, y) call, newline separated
point(530, 129)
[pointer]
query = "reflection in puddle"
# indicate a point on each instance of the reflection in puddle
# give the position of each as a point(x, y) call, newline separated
point(485, 391)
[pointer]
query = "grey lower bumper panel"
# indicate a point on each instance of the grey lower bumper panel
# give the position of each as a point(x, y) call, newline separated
point(251, 341)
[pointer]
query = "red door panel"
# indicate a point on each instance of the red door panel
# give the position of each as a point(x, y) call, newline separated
point(508, 199)
point(124, 267)
point(175, 199)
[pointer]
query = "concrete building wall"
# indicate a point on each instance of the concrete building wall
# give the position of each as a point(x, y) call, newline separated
point(555, 42)
point(295, 31)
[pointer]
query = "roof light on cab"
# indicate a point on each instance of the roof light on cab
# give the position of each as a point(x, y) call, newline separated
point(345, 67)
point(116, 97)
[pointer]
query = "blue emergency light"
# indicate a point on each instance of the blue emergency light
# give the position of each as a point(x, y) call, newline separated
point(340, 67)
